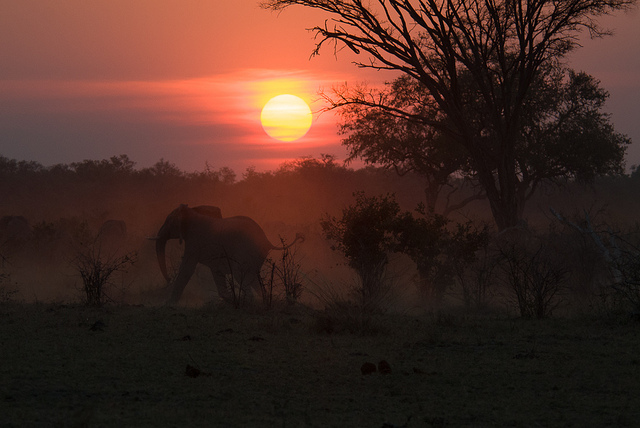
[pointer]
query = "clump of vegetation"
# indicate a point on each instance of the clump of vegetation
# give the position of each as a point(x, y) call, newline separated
point(440, 251)
point(374, 227)
point(534, 271)
point(96, 268)
point(282, 278)
point(7, 293)
point(365, 236)
point(477, 280)
point(619, 252)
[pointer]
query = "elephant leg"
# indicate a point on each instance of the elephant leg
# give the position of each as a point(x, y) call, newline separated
point(251, 286)
point(221, 284)
point(187, 268)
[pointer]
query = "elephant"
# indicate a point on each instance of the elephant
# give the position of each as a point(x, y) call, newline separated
point(235, 246)
point(208, 210)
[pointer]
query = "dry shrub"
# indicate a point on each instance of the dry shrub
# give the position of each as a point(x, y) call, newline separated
point(476, 280)
point(534, 270)
point(612, 270)
point(96, 268)
point(282, 279)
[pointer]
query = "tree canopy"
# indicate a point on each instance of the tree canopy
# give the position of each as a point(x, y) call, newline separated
point(565, 134)
point(476, 63)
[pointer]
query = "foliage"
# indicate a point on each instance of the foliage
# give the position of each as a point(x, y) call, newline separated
point(374, 227)
point(364, 235)
point(564, 134)
point(285, 275)
point(439, 251)
point(476, 68)
point(628, 264)
point(619, 251)
point(477, 279)
point(7, 294)
point(96, 268)
point(534, 271)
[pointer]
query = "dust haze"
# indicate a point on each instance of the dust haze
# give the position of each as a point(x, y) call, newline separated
point(66, 205)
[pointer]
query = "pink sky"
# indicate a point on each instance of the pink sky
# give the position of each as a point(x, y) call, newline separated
point(185, 80)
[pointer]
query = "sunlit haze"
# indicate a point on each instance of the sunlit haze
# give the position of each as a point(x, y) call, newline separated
point(186, 81)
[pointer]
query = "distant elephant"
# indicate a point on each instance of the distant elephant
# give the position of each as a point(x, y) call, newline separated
point(234, 246)
point(15, 230)
point(208, 210)
point(112, 235)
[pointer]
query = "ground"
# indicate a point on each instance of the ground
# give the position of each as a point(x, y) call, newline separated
point(216, 366)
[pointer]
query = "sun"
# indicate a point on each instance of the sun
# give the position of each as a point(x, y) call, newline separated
point(286, 117)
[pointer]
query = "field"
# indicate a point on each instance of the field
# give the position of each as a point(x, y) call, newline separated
point(136, 363)
point(70, 365)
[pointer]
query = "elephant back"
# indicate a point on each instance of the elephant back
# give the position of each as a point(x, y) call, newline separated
point(242, 231)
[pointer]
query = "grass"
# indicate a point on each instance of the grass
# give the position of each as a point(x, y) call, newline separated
point(68, 365)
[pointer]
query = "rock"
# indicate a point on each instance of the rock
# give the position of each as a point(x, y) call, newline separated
point(384, 367)
point(98, 326)
point(192, 371)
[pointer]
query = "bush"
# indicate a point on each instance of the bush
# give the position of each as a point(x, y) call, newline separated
point(96, 270)
point(364, 235)
point(619, 253)
point(477, 278)
point(441, 253)
point(534, 271)
point(375, 227)
point(282, 278)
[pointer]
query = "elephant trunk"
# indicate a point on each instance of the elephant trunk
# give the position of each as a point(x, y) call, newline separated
point(161, 244)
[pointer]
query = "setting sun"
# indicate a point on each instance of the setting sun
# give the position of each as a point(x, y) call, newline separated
point(286, 117)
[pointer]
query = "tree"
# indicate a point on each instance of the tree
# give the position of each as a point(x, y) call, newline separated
point(438, 248)
point(477, 61)
point(364, 235)
point(564, 134)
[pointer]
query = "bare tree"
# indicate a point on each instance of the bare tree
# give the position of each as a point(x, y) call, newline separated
point(476, 59)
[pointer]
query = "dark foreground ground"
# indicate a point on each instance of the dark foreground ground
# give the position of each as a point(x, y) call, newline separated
point(73, 366)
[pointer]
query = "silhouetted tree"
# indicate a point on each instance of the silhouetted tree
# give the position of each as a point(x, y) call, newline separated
point(564, 134)
point(478, 61)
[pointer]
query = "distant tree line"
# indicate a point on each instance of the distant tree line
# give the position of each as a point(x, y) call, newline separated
point(321, 185)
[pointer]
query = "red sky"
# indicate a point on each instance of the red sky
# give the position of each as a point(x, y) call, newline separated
point(185, 80)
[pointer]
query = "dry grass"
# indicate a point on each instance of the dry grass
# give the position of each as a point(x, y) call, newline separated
point(127, 366)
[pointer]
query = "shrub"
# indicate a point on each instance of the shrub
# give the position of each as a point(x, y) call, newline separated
point(534, 271)
point(477, 278)
point(619, 252)
point(441, 252)
point(284, 278)
point(375, 227)
point(96, 270)
point(364, 235)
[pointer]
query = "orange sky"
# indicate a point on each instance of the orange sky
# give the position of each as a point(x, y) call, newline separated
point(185, 80)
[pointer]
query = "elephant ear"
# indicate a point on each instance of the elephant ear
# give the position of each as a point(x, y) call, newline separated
point(183, 221)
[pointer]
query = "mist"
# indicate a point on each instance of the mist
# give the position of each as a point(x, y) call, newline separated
point(65, 206)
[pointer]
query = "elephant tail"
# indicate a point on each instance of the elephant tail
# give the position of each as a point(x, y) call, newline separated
point(299, 238)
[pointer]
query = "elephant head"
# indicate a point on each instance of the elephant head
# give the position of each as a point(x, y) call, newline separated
point(173, 228)
point(234, 246)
